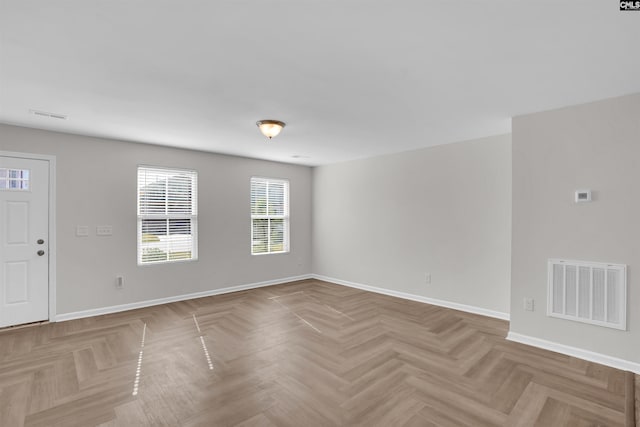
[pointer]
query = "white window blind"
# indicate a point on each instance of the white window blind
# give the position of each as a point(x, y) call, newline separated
point(167, 215)
point(269, 216)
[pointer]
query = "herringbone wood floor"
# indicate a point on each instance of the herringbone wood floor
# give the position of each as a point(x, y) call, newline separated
point(303, 354)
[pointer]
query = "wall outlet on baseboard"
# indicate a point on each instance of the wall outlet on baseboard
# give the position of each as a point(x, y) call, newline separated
point(119, 282)
point(528, 304)
point(427, 278)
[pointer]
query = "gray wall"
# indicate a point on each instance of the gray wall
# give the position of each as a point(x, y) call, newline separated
point(384, 221)
point(96, 185)
point(594, 146)
point(446, 210)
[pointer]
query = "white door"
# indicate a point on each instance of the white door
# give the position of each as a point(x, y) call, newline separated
point(24, 240)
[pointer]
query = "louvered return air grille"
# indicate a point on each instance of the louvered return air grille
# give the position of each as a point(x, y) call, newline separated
point(588, 292)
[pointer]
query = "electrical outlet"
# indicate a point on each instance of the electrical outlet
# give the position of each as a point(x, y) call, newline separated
point(119, 282)
point(528, 304)
point(427, 278)
point(82, 230)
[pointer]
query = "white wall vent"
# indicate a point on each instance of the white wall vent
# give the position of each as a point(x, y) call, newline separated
point(48, 114)
point(589, 292)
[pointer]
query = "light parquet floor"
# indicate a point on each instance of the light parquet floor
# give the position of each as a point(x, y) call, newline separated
point(308, 353)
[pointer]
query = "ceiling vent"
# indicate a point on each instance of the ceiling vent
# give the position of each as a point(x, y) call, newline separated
point(48, 114)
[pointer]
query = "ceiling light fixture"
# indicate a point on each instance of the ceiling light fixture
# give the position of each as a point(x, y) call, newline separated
point(270, 128)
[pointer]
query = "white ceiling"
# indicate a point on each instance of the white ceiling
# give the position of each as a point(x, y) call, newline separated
point(351, 78)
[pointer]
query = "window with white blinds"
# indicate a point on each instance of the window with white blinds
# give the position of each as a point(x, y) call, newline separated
point(269, 216)
point(167, 215)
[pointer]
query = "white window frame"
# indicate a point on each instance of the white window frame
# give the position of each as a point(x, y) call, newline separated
point(193, 217)
point(285, 217)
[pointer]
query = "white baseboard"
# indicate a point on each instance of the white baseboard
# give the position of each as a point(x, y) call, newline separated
point(149, 303)
point(512, 336)
point(591, 356)
point(419, 298)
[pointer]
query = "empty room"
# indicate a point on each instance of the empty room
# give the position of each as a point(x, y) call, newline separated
point(319, 213)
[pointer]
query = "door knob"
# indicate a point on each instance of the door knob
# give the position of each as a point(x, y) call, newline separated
point(40, 252)
point(40, 241)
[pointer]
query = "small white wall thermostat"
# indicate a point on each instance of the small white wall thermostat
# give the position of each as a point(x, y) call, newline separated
point(583, 196)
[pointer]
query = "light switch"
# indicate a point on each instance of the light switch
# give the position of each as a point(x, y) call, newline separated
point(104, 230)
point(528, 304)
point(82, 230)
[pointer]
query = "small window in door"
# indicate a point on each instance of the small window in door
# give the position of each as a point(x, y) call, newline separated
point(14, 179)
